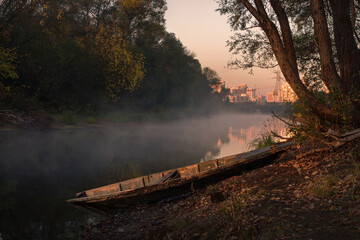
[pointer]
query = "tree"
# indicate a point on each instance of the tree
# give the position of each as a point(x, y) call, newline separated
point(74, 54)
point(122, 69)
point(78, 54)
point(333, 30)
point(173, 78)
point(7, 70)
point(213, 78)
point(7, 64)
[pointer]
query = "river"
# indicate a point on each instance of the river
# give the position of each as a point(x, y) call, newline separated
point(40, 170)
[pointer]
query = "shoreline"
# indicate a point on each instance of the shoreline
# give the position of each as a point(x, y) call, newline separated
point(43, 120)
point(310, 197)
point(40, 124)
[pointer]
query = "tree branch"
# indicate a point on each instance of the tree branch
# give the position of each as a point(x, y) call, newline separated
point(286, 33)
point(279, 136)
point(282, 120)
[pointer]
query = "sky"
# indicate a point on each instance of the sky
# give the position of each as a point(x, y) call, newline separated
point(204, 31)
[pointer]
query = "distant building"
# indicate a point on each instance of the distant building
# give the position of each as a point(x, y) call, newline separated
point(238, 90)
point(260, 98)
point(263, 98)
point(243, 93)
point(270, 97)
point(286, 94)
point(238, 94)
point(251, 94)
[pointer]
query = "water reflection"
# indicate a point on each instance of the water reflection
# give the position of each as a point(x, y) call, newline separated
point(238, 140)
point(40, 170)
point(240, 134)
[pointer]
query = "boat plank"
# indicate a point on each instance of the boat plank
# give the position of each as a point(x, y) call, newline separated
point(225, 160)
point(152, 179)
point(169, 176)
point(189, 170)
point(101, 190)
point(132, 183)
point(205, 166)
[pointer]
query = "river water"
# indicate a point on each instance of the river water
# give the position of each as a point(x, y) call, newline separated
point(40, 170)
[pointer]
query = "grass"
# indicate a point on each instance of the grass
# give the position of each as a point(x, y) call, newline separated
point(233, 209)
point(67, 117)
point(123, 116)
point(119, 116)
point(91, 120)
point(264, 140)
point(236, 214)
point(73, 118)
point(324, 187)
point(180, 224)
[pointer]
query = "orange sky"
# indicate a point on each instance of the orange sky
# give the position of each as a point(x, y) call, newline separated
point(203, 31)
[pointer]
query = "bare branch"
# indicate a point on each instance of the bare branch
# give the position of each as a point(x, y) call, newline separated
point(279, 136)
point(281, 119)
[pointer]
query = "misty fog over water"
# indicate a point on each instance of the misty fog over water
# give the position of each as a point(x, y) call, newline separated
point(40, 170)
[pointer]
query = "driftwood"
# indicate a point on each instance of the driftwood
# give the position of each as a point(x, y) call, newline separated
point(342, 138)
point(312, 151)
point(10, 117)
point(339, 140)
point(23, 120)
point(279, 136)
point(282, 120)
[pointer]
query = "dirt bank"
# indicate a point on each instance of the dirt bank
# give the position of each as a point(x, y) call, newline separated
point(31, 120)
point(11, 120)
point(314, 197)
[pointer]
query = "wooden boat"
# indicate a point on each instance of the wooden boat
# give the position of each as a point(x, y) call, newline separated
point(170, 183)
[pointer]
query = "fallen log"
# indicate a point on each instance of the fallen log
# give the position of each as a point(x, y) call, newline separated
point(343, 138)
point(312, 151)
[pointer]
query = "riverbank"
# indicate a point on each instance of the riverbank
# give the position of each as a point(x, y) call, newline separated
point(312, 197)
point(42, 119)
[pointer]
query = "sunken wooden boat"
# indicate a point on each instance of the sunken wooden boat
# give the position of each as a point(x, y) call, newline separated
point(171, 183)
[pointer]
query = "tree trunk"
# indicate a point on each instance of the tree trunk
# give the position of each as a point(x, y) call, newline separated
point(322, 38)
point(287, 62)
point(348, 54)
point(347, 51)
